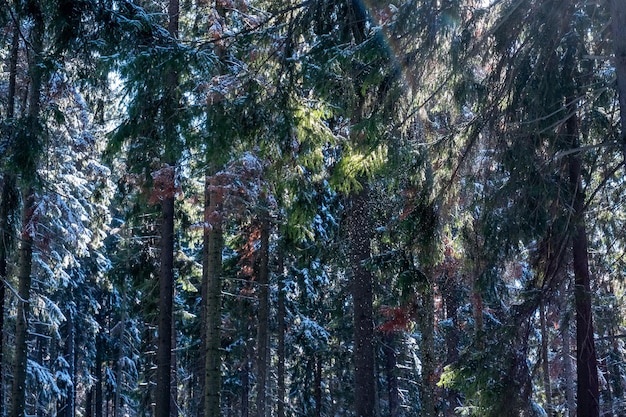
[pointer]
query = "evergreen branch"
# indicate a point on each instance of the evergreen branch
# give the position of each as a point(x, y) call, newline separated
point(13, 290)
point(604, 181)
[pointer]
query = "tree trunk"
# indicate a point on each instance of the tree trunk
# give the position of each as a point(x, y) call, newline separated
point(427, 349)
point(119, 372)
point(174, 385)
point(547, 387)
point(245, 388)
point(70, 354)
point(212, 287)
point(450, 293)
point(390, 373)
point(18, 393)
point(263, 317)
point(359, 225)
point(618, 27)
point(25, 253)
point(164, 398)
point(8, 200)
point(281, 315)
point(568, 372)
point(166, 293)
point(89, 403)
point(587, 368)
point(8, 203)
point(98, 397)
point(317, 386)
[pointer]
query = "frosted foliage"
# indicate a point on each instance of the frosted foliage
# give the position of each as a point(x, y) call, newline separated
point(67, 214)
point(40, 376)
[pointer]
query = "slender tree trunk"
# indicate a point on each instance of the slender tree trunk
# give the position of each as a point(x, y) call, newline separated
point(587, 367)
point(174, 384)
point(389, 348)
point(547, 386)
point(359, 225)
point(263, 317)
point(166, 293)
point(164, 398)
point(25, 253)
point(618, 26)
point(89, 403)
point(281, 315)
point(245, 388)
point(8, 203)
point(450, 294)
point(18, 398)
point(66, 405)
point(317, 386)
point(568, 369)
point(212, 286)
point(119, 372)
point(8, 199)
point(70, 353)
point(98, 397)
point(427, 349)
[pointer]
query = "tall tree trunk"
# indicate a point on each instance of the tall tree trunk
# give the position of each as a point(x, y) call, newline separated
point(451, 296)
point(66, 406)
point(427, 348)
point(8, 203)
point(281, 315)
point(25, 253)
point(97, 374)
point(18, 392)
point(587, 367)
point(547, 387)
point(245, 388)
point(263, 316)
point(164, 398)
point(8, 199)
point(89, 402)
point(119, 372)
point(166, 293)
point(568, 369)
point(70, 353)
point(359, 227)
point(212, 288)
point(317, 385)
point(389, 348)
point(618, 26)
point(174, 387)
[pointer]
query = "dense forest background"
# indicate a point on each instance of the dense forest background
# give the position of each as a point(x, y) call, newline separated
point(318, 208)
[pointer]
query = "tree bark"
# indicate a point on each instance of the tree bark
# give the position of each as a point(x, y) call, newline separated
point(427, 349)
point(568, 372)
point(164, 398)
point(547, 387)
point(25, 252)
point(263, 316)
point(317, 386)
point(8, 203)
point(618, 28)
point(98, 397)
point(587, 367)
point(359, 225)
point(120, 335)
point(390, 373)
point(281, 315)
point(212, 287)
point(166, 293)
point(18, 392)
point(450, 293)
point(66, 406)
point(245, 388)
